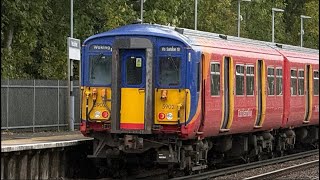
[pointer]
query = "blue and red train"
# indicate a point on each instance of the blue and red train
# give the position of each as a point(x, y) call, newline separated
point(188, 98)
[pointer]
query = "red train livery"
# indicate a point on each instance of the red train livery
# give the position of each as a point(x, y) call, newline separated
point(190, 98)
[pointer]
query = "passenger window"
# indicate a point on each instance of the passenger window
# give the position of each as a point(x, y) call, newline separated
point(170, 71)
point(301, 82)
point(100, 69)
point(293, 82)
point(316, 82)
point(279, 81)
point(239, 79)
point(271, 81)
point(250, 79)
point(215, 79)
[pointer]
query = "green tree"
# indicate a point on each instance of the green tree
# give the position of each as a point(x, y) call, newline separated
point(19, 32)
point(34, 33)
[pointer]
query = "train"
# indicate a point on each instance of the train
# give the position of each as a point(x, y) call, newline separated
point(188, 99)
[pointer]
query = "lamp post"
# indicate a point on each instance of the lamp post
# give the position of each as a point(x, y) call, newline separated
point(141, 10)
point(239, 19)
point(195, 14)
point(71, 19)
point(273, 11)
point(301, 30)
point(70, 78)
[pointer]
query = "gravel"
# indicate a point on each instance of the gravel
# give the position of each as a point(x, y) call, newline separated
point(312, 173)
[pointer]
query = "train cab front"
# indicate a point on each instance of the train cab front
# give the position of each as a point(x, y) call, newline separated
point(95, 88)
point(138, 92)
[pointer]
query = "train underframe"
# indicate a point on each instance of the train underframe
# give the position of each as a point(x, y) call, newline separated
point(192, 156)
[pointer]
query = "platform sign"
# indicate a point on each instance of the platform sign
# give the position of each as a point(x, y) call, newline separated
point(74, 49)
point(74, 54)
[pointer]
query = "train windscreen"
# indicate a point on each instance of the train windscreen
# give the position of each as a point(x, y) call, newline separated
point(170, 71)
point(100, 69)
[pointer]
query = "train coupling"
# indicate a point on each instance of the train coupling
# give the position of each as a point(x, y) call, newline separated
point(131, 142)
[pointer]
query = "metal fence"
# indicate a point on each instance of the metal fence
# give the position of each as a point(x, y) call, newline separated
point(31, 104)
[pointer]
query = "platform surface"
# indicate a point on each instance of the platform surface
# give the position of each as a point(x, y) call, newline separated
point(42, 140)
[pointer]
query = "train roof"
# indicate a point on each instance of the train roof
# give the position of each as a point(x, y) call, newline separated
point(211, 38)
point(200, 38)
point(144, 30)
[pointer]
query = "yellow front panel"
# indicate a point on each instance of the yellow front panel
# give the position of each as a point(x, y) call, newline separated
point(132, 106)
point(173, 104)
point(95, 108)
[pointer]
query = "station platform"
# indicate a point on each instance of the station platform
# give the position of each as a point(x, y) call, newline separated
point(40, 140)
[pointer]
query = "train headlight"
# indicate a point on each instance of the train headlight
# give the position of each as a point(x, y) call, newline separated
point(97, 114)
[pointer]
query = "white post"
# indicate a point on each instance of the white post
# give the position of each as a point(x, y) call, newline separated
point(58, 106)
point(34, 106)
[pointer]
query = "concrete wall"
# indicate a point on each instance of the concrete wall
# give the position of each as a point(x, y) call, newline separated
point(53, 163)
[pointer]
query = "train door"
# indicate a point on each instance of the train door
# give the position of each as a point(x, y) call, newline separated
point(308, 102)
point(132, 96)
point(227, 94)
point(132, 89)
point(260, 94)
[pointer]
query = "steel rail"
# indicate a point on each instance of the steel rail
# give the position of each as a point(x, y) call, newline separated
point(243, 167)
point(284, 171)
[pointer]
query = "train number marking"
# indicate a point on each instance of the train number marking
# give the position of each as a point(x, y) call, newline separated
point(245, 113)
point(167, 106)
point(100, 105)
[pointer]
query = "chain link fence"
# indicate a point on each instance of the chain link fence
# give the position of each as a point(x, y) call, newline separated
point(35, 104)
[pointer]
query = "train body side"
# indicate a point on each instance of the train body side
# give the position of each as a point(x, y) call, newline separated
point(302, 99)
point(227, 87)
point(244, 105)
point(189, 98)
point(280, 108)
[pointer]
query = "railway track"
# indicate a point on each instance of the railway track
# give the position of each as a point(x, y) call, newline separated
point(243, 167)
point(284, 171)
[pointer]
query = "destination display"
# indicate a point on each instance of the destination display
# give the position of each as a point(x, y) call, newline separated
point(170, 49)
point(100, 47)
